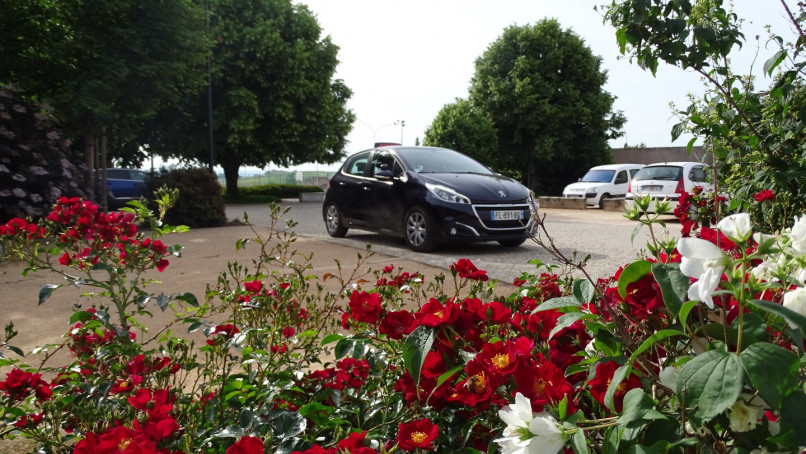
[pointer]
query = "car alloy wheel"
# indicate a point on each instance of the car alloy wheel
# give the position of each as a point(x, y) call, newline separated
point(333, 221)
point(419, 230)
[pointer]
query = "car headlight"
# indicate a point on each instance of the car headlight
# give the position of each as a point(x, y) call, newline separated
point(593, 190)
point(446, 194)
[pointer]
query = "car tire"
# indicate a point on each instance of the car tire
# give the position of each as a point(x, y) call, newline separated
point(512, 243)
point(602, 199)
point(333, 223)
point(418, 230)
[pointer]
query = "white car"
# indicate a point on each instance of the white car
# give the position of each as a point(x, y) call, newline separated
point(603, 182)
point(667, 180)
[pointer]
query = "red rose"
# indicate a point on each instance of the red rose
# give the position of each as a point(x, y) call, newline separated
point(247, 445)
point(365, 307)
point(764, 195)
point(397, 324)
point(465, 269)
point(419, 433)
point(433, 313)
point(600, 383)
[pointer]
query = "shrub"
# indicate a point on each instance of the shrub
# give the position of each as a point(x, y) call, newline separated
point(200, 203)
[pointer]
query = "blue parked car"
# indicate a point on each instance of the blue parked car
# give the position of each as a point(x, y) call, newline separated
point(124, 185)
point(427, 196)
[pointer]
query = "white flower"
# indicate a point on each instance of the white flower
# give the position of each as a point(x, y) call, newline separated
point(798, 234)
point(736, 227)
point(704, 261)
point(527, 432)
point(668, 378)
point(795, 300)
point(743, 417)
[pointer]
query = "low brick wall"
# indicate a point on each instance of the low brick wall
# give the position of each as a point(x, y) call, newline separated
point(562, 202)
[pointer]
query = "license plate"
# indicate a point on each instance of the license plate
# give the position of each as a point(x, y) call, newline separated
point(507, 215)
point(651, 188)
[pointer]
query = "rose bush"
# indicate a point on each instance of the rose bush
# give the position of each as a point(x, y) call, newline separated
point(696, 348)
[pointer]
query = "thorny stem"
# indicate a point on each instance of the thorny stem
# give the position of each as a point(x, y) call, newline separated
point(549, 246)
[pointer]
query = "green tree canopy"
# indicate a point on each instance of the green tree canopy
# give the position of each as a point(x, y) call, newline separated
point(463, 127)
point(544, 91)
point(275, 99)
point(756, 136)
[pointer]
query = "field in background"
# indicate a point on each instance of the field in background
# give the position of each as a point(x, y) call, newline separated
point(301, 177)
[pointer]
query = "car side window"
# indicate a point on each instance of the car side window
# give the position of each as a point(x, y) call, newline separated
point(697, 174)
point(382, 161)
point(355, 164)
point(621, 178)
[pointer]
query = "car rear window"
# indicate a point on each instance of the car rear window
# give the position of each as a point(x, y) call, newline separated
point(659, 173)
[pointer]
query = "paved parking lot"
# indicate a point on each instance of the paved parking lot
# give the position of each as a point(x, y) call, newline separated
point(604, 235)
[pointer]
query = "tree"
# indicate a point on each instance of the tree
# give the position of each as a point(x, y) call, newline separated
point(756, 136)
point(274, 96)
point(543, 89)
point(106, 65)
point(463, 127)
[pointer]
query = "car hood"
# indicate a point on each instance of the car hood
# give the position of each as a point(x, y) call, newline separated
point(581, 186)
point(480, 187)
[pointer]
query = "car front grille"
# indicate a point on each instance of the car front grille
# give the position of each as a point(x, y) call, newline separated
point(485, 216)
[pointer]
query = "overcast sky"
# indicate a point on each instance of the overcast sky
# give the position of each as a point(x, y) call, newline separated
point(404, 60)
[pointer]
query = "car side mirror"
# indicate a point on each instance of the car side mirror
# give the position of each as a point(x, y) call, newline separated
point(384, 174)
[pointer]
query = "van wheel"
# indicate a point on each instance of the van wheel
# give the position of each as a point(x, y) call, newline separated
point(602, 199)
point(419, 230)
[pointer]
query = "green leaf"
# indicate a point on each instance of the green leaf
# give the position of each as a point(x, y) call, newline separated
point(632, 273)
point(685, 310)
point(673, 285)
point(567, 320)
point(46, 291)
point(651, 340)
point(583, 291)
point(781, 311)
point(163, 301)
point(318, 413)
point(241, 243)
point(557, 303)
point(638, 406)
point(343, 347)
point(618, 377)
point(415, 347)
point(332, 338)
point(578, 443)
point(194, 325)
point(246, 418)
point(772, 370)
point(80, 316)
point(793, 424)
point(710, 383)
point(289, 424)
point(188, 298)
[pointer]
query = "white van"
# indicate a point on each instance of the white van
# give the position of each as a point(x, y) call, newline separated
point(603, 182)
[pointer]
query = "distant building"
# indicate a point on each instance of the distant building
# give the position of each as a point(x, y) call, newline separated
point(650, 155)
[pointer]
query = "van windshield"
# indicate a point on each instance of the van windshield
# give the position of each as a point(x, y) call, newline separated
point(598, 176)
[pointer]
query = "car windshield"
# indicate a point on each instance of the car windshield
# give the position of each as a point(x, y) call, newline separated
point(658, 173)
point(598, 176)
point(439, 160)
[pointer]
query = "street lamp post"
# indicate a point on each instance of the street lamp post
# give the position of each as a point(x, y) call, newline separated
point(401, 123)
point(375, 130)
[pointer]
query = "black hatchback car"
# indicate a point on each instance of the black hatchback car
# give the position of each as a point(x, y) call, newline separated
point(427, 196)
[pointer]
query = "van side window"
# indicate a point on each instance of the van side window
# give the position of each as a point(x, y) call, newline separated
point(697, 174)
point(633, 172)
point(621, 178)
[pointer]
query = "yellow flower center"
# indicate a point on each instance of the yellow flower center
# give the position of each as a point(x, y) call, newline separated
point(477, 383)
point(124, 444)
point(500, 361)
point(418, 437)
point(439, 314)
point(540, 387)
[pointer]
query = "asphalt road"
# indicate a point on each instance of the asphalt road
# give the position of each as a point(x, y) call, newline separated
point(604, 235)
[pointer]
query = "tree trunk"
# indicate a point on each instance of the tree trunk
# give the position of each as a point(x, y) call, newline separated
point(89, 160)
point(231, 177)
